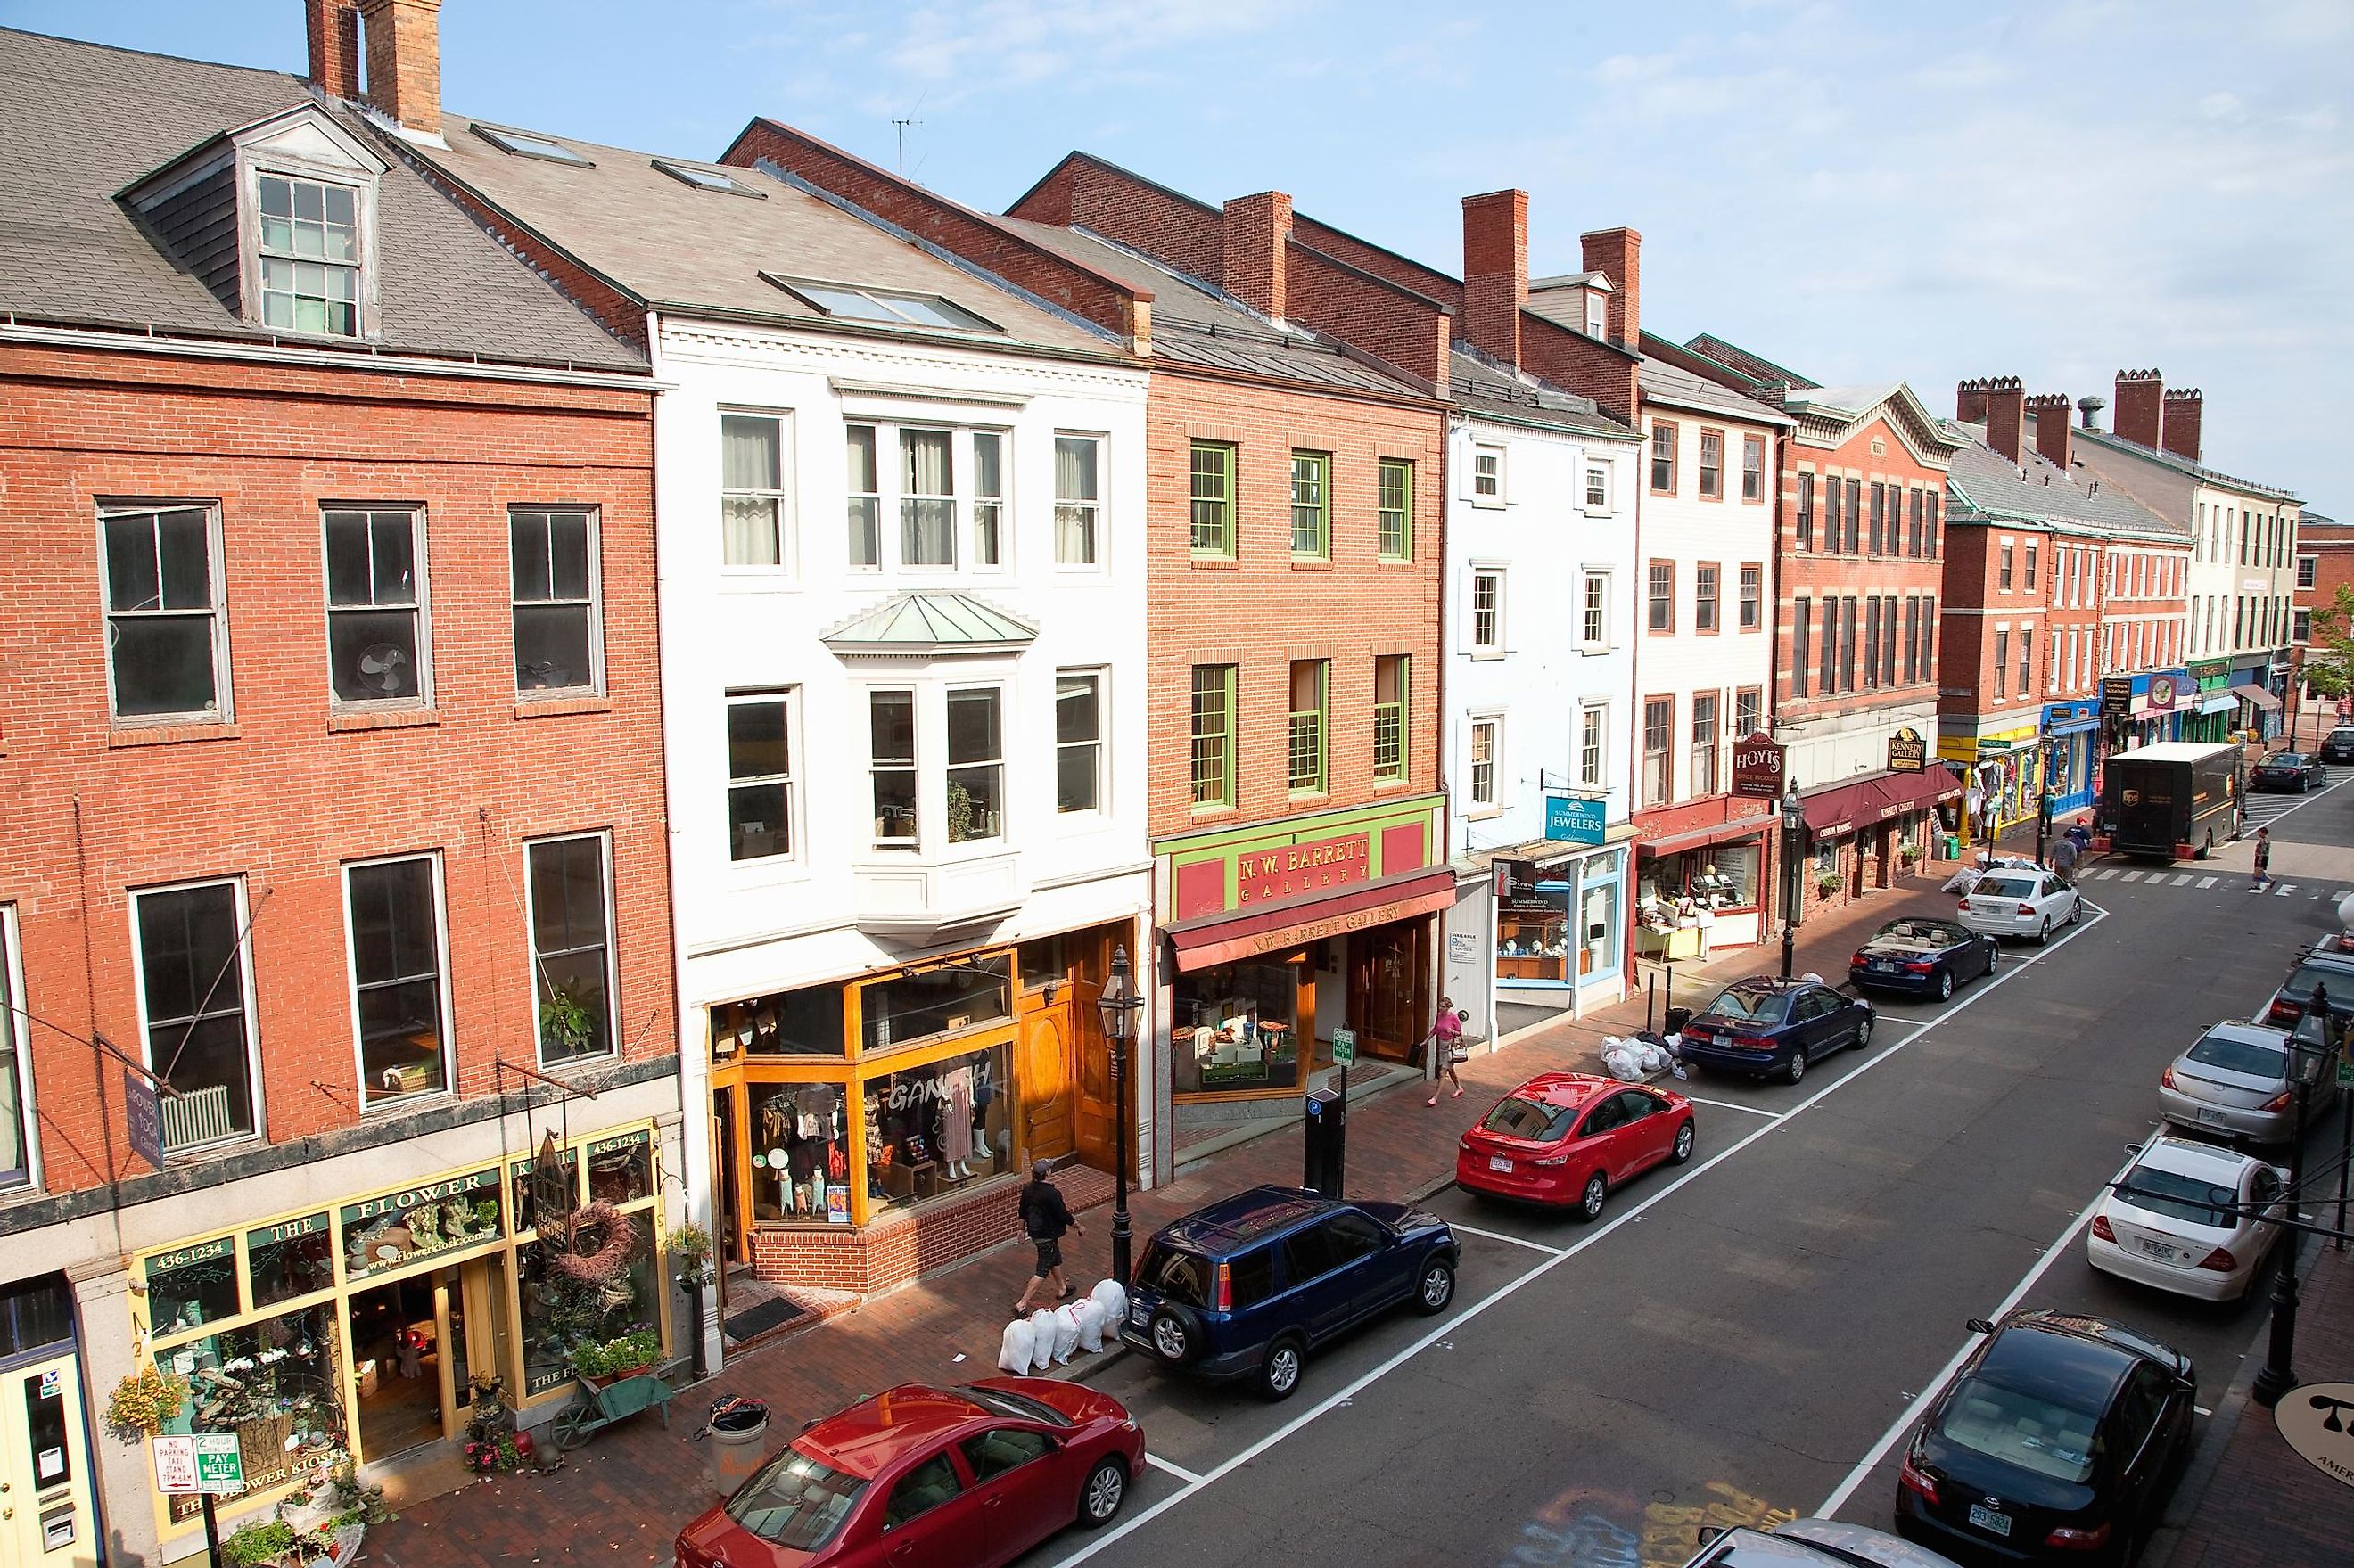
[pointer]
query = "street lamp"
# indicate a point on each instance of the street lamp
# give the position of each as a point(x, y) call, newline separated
point(2044, 800)
point(1794, 822)
point(1119, 1003)
point(2277, 1376)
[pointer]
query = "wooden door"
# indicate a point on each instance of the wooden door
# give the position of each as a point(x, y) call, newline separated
point(1042, 1075)
point(1389, 988)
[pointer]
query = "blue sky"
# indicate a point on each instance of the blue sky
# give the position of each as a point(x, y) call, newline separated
point(1858, 191)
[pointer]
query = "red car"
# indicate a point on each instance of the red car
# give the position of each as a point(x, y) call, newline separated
point(929, 1478)
point(1570, 1137)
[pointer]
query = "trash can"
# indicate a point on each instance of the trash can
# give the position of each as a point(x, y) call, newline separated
point(1676, 1018)
point(1327, 1140)
point(1949, 847)
point(738, 1430)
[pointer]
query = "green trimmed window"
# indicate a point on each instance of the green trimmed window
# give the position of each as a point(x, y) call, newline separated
point(1312, 684)
point(1213, 735)
point(1396, 510)
point(1390, 689)
point(1214, 499)
point(1311, 511)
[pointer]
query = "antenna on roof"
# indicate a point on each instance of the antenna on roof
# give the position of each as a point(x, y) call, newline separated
point(899, 123)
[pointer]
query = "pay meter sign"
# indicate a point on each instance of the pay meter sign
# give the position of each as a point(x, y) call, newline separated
point(208, 1462)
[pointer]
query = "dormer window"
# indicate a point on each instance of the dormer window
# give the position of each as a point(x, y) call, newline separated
point(310, 255)
point(1597, 318)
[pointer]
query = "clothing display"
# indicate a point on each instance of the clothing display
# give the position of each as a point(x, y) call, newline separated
point(955, 1129)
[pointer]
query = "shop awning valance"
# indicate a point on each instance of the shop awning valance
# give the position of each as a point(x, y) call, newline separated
point(2257, 696)
point(1702, 837)
point(2218, 702)
point(1225, 939)
point(1865, 802)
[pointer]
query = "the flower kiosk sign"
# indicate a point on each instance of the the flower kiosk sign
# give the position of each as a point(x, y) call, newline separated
point(401, 1227)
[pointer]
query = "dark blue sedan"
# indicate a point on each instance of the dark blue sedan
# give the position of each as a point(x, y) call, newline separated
point(1773, 1028)
point(1921, 957)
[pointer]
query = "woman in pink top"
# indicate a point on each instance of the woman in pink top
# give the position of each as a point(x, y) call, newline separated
point(1446, 1044)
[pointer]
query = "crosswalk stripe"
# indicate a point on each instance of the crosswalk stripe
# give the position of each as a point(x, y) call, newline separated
point(2285, 889)
point(2342, 895)
point(2129, 876)
point(2182, 881)
point(2104, 873)
point(2207, 882)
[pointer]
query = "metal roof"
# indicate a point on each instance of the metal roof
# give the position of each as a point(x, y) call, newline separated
point(924, 622)
point(2038, 490)
point(2111, 442)
point(1666, 383)
point(1485, 386)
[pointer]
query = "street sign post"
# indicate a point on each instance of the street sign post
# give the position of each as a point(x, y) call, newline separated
point(207, 1463)
point(1344, 1046)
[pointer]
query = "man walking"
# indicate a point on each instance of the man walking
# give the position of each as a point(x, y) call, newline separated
point(1045, 1218)
point(2263, 873)
point(2063, 859)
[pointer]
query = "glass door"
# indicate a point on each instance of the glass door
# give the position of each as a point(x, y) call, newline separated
point(46, 1517)
point(397, 1376)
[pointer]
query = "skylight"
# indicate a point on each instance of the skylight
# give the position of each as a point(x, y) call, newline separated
point(708, 179)
point(875, 306)
point(523, 143)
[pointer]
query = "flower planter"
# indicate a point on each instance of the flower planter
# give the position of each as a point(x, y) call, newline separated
point(607, 1380)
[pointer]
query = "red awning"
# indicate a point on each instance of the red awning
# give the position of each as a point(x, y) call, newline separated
point(1222, 938)
point(1866, 802)
point(1702, 837)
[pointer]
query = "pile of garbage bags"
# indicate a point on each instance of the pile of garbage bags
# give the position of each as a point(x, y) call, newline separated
point(1635, 1057)
point(1967, 876)
point(1050, 1336)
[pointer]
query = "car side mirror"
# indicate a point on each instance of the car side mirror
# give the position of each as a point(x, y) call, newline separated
point(1978, 1326)
point(1709, 1534)
point(2132, 1148)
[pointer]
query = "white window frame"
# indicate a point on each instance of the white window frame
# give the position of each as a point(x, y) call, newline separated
point(254, 169)
point(612, 1051)
point(1591, 609)
point(1495, 496)
point(1493, 804)
point(1005, 833)
point(1094, 508)
point(1101, 675)
point(419, 539)
point(592, 523)
point(1598, 469)
point(780, 498)
point(2308, 570)
point(1494, 647)
point(224, 708)
point(370, 1103)
point(966, 502)
point(16, 1029)
point(747, 696)
point(243, 916)
point(1597, 314)
point(1594, 719)
point(913, 767)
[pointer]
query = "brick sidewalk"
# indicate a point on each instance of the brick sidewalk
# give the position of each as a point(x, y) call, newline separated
point(623, 1495)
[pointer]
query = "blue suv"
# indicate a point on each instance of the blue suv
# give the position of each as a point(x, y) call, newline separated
point(1248, 1286)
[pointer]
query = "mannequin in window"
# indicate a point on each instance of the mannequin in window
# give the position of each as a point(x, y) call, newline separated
point(956, 1121)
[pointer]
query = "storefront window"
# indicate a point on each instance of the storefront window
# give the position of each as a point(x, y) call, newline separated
point(192, 1286)
point(805, 1022)
point(931, 1128)
point(622, 1169)
point(1602, 945)
point(400, 1228)
point(800, 1153)
point(558, 1314)
point(1722, 876)
point(1533, 934)
point(1237, 1027)
point(538, 1197)
point(289, 1259)
point(276, 1384)
point(940, 1000)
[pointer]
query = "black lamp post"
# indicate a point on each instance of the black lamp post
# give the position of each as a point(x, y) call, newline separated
point(1119, 1003)
point(1794, 822)
point(2044, 800)
point(2278, 1375)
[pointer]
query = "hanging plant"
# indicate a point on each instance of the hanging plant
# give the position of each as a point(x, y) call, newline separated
point(142, 1402)
point(690, 1247)
point(565, 1024)
point(597, 1243)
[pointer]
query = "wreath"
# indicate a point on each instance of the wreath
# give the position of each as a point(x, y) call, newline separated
point(599, 1266)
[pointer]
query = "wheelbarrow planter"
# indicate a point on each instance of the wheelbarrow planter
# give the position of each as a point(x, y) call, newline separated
point(593, 1408)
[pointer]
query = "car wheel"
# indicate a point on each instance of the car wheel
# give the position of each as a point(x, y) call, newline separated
point(1105, 1489)
point(1174, 1334)
point(2043, 933)
point(2076, 910)
point(1944, 985)
point(1797, 1070)
point(1436, 1288)
point(1994, 954)
point(1590, 1202)
point(1863, 1033)
point(1681, 1149)
point(1279, 1373)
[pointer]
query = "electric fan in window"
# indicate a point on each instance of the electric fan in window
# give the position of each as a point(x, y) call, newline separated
point(384, 670)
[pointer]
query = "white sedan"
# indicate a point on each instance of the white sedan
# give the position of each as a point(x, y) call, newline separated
point(2186, 1217)
point(2019, 901)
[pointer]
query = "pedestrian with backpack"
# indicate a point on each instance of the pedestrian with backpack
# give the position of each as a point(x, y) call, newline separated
point(1446, 1050)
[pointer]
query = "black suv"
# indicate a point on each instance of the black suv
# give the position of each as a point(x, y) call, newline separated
point(1247, 1287)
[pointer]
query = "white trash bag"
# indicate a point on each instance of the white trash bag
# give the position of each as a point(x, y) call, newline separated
point(1621, 1059)
point(1092, 1322)
point(1114, 1297)
point(1013, 1355)
point(1652, 1057)
point(1067, 1333)
point(1042, 1338)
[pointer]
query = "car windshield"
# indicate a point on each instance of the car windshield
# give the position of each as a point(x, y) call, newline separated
point(2288, 759)
point(795, 1501)
point(2336, 977)
point(2256, 1058)
point(2005, 886)
point(1182, 1276)
point(2021, 1429)
point(1766, 1005)
point(2179, 1197)
point(1516, 1117)
point(1021, 1406)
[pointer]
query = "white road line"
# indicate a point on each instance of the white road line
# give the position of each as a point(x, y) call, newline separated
point(2283, 890)
point(2200, 1410)
point(1730, 1105)
point(1516, 1241)
point(2129, 876)
point(2105, 873)
point(2065, 1245)
point(2182, 881)
point(2343, 895)
point(2304, 802)
point(1341, 1396)
point(1189, 1477)
point(2207, 882)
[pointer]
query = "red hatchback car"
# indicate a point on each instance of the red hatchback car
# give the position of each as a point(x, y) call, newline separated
point(929, 1478)
point(1570, 1137)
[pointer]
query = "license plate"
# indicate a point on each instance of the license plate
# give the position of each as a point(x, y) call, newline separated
point(1990, 1522)
point(2207, 1115)
point(1498, 1163)
point(2157, 1249)
point(1884, 963)
point(1140, 1316)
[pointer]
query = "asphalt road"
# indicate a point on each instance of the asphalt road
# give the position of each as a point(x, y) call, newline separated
point(1743, 1338)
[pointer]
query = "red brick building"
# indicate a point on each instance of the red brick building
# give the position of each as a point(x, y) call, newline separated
point(1295, 425)
point(335, 784)
point(2324, 564)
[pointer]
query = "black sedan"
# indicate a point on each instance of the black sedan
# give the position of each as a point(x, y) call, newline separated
point(2339, 747)
point(1773, 1028)
point(1921, 957)
point(2059, 1441)
point(2295, 770)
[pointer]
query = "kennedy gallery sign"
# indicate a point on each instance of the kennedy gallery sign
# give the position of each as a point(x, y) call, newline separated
point(1907, 752)
point(1757, 766)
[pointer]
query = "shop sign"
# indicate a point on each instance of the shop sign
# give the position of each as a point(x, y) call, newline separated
point(624, 1141)
point(2116, 697)
point(180, 1257)
point(2162, 694)
point(1908, 753)
point(142, 1112)
point(416, 1222)
point(1342, 925)
point(1344, 1047)
point(1571, 819)
point(2317, 1421)
point(1516, 880)
point(1758, 768)
point(1289, 871)
point(206, 1462)
point(287, 1230)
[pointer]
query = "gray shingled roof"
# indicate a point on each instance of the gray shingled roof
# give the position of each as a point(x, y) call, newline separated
point(81, 121)
point(1482, 385)
point(1990, 488)
point(1193, 324)
point(2117, 443)
point(1672, 383)
point(681, 247)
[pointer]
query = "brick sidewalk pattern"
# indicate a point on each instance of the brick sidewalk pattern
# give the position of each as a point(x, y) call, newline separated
point(623, 1495)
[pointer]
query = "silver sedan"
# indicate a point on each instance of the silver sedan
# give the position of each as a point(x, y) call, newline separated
point(2242, 1080)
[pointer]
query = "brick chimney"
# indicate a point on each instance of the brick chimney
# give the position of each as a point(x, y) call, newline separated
point(2006, 398)
point(1495, 272)
point(1254, 234)
point(1618, 254)
point(404, 61)
point(2054, 429)
point(2138, 413)
point(1970, 403)
point(2178, 424)
point(333, 28)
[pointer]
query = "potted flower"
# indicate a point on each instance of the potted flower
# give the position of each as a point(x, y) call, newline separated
point(603, 1361)
point(1826, 884)
point(1910, 854)
point(565, 1024)
point(142, 1402)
